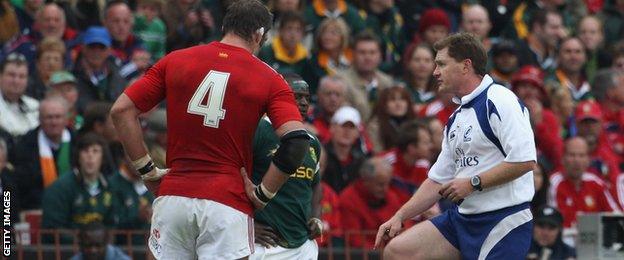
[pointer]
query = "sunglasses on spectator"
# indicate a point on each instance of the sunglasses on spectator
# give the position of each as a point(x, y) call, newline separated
point(15, 56)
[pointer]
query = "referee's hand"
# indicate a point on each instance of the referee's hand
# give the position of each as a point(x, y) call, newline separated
point(388, 230)
point(456, 190)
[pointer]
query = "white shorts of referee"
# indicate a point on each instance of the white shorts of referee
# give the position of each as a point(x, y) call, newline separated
point(188, 228)
point(307, 251)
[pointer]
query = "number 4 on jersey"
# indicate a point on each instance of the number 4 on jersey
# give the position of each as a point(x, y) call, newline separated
point(214, 84)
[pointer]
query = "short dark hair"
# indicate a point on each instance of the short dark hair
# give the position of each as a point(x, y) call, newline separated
point(541, 17)
point(366, 36)
point(95, 112)
point(85, 141)
point(604, 80)
point(463, 46)
point(292, 17)
point(408, 134)
point(244, 17)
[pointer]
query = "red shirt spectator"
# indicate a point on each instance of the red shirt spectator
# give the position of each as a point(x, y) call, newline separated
point(442, 108)
point(589, 196)
point(368, 202)
point(406, 178)
point(330, 214)
point(360, 211)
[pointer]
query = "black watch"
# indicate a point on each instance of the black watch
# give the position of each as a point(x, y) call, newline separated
point(475, 181)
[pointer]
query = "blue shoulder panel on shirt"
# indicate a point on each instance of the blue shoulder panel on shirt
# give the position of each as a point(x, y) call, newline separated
point(481, 105)
point(450, 121)
point(491, 108)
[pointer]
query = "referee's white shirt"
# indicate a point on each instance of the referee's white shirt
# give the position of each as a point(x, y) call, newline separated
point(491, 126)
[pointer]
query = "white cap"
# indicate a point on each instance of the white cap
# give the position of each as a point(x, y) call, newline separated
point(346, 114)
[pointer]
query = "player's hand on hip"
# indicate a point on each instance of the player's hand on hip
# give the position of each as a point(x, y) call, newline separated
point(315, 227)
point(265, 235)
point(388, 230)
point(456, 190)
point(152, 186)
point(249, 189)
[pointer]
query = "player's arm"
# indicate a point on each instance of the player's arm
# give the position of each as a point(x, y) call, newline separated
point(294, 144)
point(125, 117)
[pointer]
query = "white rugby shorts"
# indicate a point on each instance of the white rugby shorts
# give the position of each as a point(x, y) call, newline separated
point(307, 251)
point(190, 228)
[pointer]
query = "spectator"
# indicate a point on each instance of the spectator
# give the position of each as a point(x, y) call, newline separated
point(286, 53)
point(188, 23)
point(51, 23)
point(618, 57)
point(156, 137)
point(574, 190)
point(442, 107)
point(418, 74)
point(604, 162)
point(81, 196)
point(26, 14)
point(475, 20)
point(321, 9)
point(547, 243)
point(94, 244)
point(82, 14)
point(132, 202)
point(7, 181)
point(613, 17)
point(18, 112)
point(434, 25)
point(436, 128)
point(8, 18)
point(45, 152)
point(344, 150)
point(590, 32)
point(364, 77)
point(368, 202)
point(528, 84)
point(98, 75)
point(330, 215)
point(393, 110)
point(524, 14)
point(150, 28)
point(118, 21)
point(63, 83)
point(608, 89)
point(569, 74)
point(562, 106)
point(331, 96)
point(385, 21)
point(542, 184)
point(279, 7)
point(98, 120)
point(332, 52)
point(409, 159)
point(504, 62)
point(50, 59)
point(539, 46)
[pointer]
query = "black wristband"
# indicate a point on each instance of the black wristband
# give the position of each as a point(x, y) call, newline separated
point(147, 168)
point(260, 194)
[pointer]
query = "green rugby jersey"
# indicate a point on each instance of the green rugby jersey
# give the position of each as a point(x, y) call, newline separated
point(289, 211)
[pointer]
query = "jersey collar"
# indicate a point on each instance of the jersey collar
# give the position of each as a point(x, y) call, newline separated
point(485, 82)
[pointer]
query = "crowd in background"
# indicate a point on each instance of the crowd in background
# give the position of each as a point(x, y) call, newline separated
point(369, 64)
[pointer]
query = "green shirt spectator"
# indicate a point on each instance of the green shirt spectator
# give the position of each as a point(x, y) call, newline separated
point(150, 28)
point(82, 196)
point(321, 9)
point(387, 24)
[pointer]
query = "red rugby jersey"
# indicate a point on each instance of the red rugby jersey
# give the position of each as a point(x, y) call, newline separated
point(215, 94)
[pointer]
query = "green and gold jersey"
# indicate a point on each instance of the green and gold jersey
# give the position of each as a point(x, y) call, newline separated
point(288, 212)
